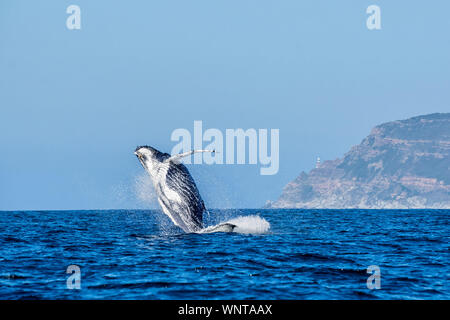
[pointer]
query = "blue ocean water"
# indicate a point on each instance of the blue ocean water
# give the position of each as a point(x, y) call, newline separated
point(306, 254)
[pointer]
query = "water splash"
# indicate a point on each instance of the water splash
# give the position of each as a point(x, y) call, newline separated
point(250, 224)
point(144, 190)
point(146, 194)
point(243, 224)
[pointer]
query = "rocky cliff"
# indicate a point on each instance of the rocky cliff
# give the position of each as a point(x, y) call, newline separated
point(401, 164)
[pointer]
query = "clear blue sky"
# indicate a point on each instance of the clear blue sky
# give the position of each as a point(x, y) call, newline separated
point(75, 104)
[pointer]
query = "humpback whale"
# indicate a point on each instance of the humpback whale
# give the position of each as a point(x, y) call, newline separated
point(177, 192)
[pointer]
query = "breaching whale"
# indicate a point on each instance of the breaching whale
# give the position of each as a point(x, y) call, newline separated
point(176, 190)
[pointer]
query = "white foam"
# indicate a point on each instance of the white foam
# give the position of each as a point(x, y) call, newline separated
point(250, 224)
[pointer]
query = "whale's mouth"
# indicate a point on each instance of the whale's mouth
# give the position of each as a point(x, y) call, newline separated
point(141, 159)
point(139, 154)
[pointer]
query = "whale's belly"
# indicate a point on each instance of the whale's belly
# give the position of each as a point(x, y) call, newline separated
point(179, 198)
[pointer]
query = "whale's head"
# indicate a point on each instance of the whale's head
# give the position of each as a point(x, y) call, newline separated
point(149, 157)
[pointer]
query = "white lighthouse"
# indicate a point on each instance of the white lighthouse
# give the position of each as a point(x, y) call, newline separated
point(318, 163)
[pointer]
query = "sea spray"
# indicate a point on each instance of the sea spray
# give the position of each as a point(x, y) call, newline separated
point(250, 224)
point(144, 190)
point(146, 196)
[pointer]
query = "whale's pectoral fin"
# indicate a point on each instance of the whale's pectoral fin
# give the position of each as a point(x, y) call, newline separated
point(177, 158)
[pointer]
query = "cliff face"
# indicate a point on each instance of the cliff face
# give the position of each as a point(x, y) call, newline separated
point(401, 164)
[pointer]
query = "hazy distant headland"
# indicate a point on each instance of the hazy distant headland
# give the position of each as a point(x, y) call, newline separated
point(401, 164)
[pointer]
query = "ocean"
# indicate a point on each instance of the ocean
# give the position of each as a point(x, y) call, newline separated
point(305, 254)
